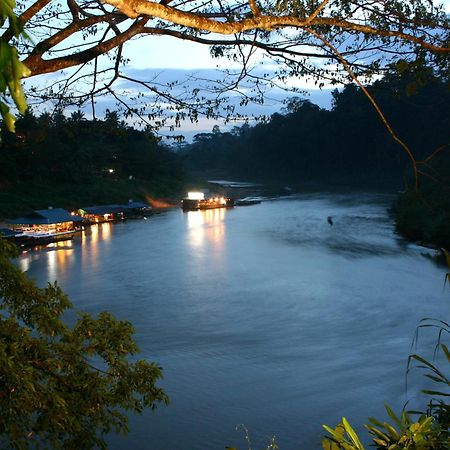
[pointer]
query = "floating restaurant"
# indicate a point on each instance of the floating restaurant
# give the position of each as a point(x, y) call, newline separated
point(44, 226)
point(102, 213)
point(114, 213)
point(197, 200)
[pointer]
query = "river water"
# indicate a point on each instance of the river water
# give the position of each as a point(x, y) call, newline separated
point(263, 315)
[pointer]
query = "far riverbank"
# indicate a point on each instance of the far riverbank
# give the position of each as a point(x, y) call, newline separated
point(423, 218)
point(19, 199)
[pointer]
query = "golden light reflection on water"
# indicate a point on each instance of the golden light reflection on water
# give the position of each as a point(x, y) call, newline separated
point(92, 238)
point(206, 228)
point(24, 262)
point(57, 257)
point(60, 256)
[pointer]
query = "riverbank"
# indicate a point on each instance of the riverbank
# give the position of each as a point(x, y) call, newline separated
point(424, 217)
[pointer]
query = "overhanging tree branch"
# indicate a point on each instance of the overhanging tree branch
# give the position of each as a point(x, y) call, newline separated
point(136, 8)
point(380, 113)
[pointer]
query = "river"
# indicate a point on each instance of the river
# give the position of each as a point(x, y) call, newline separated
point(264, 315)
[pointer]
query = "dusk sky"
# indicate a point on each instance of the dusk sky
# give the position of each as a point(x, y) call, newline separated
point(167, 60)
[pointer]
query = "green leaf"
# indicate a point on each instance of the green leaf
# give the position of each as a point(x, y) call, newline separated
point(446, 351)
point(375, 422)
point(377, 432)
point(392, 431)
point(392, 415)
point(8, 118)
point(430, 392)
point(351, 432)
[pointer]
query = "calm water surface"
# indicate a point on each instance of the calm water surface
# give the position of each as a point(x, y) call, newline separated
point(264, 315)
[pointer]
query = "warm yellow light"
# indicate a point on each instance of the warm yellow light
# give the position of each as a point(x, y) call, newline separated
point(196, 195)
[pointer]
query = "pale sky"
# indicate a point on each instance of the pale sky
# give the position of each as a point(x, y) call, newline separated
point(170, 59)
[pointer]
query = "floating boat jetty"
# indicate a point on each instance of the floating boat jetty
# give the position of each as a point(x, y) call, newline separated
point(197, 200)
point(247, 201)
point(43, 226)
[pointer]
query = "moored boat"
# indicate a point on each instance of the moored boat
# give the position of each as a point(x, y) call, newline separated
point(197, 200)
point(42, 227)
point(246, 201)
point(30, 238)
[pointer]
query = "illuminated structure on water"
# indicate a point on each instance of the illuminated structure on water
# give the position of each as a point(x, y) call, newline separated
point(197, 200)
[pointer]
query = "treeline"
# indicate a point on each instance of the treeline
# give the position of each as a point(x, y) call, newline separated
point(59, 149)
point(71, 161)
point(424, 216)
point(347, 145)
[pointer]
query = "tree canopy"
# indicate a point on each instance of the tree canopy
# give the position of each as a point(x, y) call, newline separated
point(323, 40)
point(74, 161)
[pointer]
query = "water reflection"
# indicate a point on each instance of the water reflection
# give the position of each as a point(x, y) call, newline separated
point(24, 262)
point(59, 256)
point(92, 239)
point(206, 227)
point(56, 256)
point(243, 307)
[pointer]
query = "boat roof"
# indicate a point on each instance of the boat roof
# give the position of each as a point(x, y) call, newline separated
point(105, 209)
point(135, 205)
point(45, 217)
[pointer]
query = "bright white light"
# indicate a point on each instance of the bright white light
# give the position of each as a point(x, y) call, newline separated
point(111, 170)
point(196, 195)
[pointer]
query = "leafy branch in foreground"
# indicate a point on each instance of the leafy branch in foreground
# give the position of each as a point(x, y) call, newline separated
point(59, 386)
point(12, 70)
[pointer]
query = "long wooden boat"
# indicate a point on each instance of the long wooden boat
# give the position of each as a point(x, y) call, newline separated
point(30, 238)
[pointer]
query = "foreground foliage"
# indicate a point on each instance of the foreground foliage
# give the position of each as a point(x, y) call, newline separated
point(61, 386)
point(12, 70)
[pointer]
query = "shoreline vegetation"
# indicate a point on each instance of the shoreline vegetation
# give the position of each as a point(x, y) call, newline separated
point(424, 217)
point(71, 162)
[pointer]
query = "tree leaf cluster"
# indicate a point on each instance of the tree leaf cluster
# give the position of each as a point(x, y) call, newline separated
point(12, 70)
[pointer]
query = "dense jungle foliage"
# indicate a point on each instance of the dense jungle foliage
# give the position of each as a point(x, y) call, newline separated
point(65, 162)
